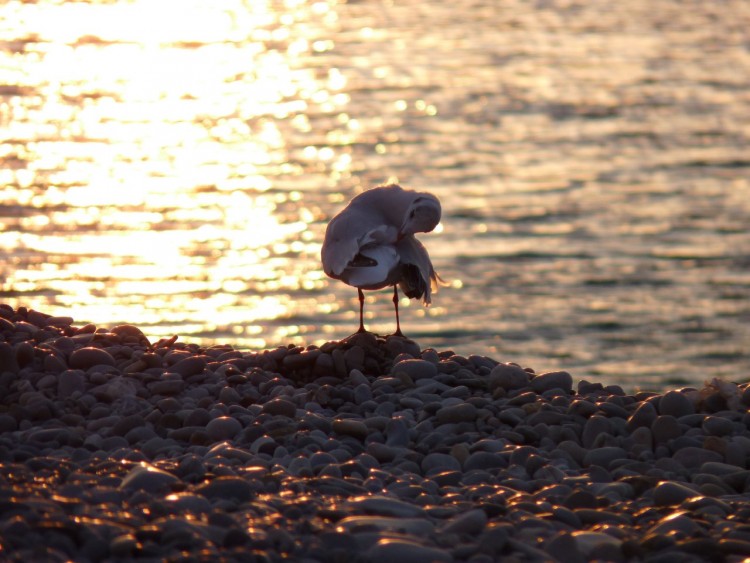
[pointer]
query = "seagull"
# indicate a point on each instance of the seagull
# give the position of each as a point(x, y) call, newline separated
point(370, 245)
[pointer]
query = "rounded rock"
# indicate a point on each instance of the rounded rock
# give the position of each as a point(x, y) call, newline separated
point(223, 428)
point(461, 412)
point(552, 380)
point(281, 407)
point(508, 376)
point(675, 404)
point(85, 358)
point(403, 551)
point(416, 369)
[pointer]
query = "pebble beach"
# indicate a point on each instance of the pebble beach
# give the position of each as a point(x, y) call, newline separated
point(368, 449)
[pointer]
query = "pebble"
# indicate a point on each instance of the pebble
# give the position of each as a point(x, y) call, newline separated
point(400, 453)
point(85, 358)
point(149, 479)
point(675, 404)
point(401, 551)
point(223, 428)
point(508, 377)
point(416, 369)
point(552, 380)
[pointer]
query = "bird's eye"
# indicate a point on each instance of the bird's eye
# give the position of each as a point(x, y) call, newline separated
point(412, 214)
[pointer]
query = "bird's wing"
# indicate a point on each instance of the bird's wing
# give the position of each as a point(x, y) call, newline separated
point(349, 232)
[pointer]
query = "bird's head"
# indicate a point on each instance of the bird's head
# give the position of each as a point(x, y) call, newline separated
point(422, 215)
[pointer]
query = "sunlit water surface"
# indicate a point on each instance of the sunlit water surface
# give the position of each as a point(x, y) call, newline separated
point(173, 164)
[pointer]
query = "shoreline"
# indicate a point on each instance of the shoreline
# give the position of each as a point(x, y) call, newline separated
point(365, 449)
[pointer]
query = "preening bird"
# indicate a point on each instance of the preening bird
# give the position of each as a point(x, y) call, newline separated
point(370, 244)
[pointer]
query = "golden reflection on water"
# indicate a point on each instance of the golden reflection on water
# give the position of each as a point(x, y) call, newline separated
point(144, 138)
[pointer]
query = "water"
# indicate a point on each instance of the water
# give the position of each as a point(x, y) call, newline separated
point(173, 165)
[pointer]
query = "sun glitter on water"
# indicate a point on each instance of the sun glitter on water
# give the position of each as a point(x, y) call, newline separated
point(154, 178)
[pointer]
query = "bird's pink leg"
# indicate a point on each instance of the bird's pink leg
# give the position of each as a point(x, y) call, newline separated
point(395, 304)
point(361, 311)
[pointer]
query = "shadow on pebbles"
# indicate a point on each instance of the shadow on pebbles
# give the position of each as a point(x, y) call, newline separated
point(367, 449)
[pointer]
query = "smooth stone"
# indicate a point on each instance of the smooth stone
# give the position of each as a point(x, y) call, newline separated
point(604, 457)
point(673, 524)
point(350, 427)
point(461, 412)
point(721, 469)
point(439, 462)
point(670, 493)
point(595, 427)
point(664, 428)
point(420, 527)
point(148, 478)
point(281, 407)
point(71, 381)
point(693, 457)
point(187, 367)
point(676, 404)
point(127, 423)
point(471, 522)
point(717, 426)
point(402, 551)
point(644, 415)
point(564, 543)
point(227, 488)
point(223, 428)
point(170, 384)
point(384, 506)
point(8, 361)
point(552, 380)
point(587, 542)
point(85, 358)
point(415, 369)
point(180, 503)
point(484, 460)
point(509, 377)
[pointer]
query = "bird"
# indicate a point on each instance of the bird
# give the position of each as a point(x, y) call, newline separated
point(370, 245)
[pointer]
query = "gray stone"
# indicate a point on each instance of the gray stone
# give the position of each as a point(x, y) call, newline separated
point(187, 367)
point(351, 427)
point(670, 493)
point(644, 415)
point(71, 381)
point(508, 377)
point(664, 428)
point(676, 404)
point(223, 428)
point(461, 412)
point(403, 551)
point(281, 407)
point(718, 426)
point(227, 488)
point(384, 506)
point(85, 358)
point(552, 380)
point(484, 460)
point(471, 522)
point(415, 369)
point(604, 457)
point(693, 457)
point(439, 462)
point(594, 427)
point(148, 478)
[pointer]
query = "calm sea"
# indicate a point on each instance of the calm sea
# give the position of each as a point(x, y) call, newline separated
point(173, 164)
